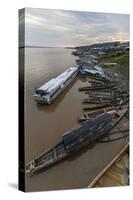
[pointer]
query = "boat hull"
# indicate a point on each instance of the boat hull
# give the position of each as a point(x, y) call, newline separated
point(64, 149)
point(43, 100)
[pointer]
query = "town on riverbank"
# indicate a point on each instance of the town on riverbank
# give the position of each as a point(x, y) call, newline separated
point(107, 63)
point(104, 92)
point(111, 54)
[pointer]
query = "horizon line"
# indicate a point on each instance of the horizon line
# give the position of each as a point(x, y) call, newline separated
point(38, 46)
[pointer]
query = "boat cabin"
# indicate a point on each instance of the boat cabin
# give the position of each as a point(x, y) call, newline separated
point(88, 132)
point(50, 90)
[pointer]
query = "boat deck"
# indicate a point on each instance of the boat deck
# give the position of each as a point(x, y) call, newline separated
point(116, 173)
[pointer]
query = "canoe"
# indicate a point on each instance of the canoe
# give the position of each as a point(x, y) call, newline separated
point(88, 115)
point(114, 102)
point(97, 87)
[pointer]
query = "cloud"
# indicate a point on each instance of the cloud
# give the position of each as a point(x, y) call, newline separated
point(46, 27)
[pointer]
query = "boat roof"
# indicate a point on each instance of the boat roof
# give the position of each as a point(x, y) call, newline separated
point(97, 67)
point(56, 82)
point(93, 71)
point(89, 127)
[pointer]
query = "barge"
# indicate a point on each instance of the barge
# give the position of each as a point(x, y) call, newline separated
point(72, 141)
point(50, 90)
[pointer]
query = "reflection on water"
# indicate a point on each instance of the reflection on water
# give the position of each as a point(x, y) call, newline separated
point(45, 124)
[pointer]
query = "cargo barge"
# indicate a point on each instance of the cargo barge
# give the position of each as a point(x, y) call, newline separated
point(75, 139)
point(50, 90)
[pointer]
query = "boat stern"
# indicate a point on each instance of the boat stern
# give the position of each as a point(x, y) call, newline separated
point(30, 167)
point(41, 99)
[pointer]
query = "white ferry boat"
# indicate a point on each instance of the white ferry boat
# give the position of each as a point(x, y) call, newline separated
point(50, 90)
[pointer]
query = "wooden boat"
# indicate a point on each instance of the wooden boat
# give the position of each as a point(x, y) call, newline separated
point(75, 139)
point(97, 87)
point(88, 115)
point(116, 172)
point(96, 82)
point(104, 99)
point(103, 91)
point(115, 136)
point(92, 113)
point(108, 96)
point(100, 101)
point(113, 102)
point(98, 78)
point(97, 107)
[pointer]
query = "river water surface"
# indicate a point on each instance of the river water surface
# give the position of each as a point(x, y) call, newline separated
point(45, 124)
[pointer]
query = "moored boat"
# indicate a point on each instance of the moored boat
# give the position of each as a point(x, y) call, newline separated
point(88, 115)
point(110, 85)
point(75, 139)
point(50, 90)
point(115, 173)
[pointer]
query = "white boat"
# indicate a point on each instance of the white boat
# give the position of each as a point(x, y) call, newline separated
point(50, 90)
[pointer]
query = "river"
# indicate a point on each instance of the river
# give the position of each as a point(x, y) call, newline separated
point(45, 124)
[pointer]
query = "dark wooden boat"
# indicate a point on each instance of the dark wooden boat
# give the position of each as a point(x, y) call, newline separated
point(97, 107)
point(102, 101)
point(96, 82)
point(88, 115)
point(109, 96)
point(98, 78)
point(75, 139)
point(105, 86)
point(93, 113)
point(102, 91)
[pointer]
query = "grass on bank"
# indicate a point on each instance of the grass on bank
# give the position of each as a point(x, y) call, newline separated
point(123, 63)
point(122, 59)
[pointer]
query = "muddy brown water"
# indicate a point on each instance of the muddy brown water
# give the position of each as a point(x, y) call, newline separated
point(44, 125)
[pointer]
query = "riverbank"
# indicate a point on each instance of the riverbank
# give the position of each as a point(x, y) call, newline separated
point(115, 62)
point(46, 124)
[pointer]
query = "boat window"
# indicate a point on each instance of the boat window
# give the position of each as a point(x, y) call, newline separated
point(40, 92)
point(55, 92)
point(70, 77)
point(67, 80)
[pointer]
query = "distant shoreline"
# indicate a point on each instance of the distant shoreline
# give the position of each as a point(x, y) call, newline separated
point(45, 47)
point(77, 47)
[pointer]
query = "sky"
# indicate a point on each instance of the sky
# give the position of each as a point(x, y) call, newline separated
point(58, 28)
